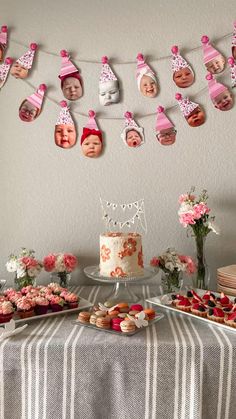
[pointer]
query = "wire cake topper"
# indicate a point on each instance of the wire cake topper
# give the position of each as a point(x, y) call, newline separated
point(113, 215)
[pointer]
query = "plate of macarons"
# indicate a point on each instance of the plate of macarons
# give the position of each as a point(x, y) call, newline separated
point(122, 318)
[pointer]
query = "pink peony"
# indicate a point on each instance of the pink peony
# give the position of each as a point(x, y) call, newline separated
point(49, 262)
point(155, 262)
point(186, 197)
point(70, 262)
point(191, 266)
point(200, 209)
point(29, 262)
point(187, 219)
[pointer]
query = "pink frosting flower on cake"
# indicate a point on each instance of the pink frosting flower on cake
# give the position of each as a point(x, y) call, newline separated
point(140, 258)
point(130, 247)
point(118, 272)
point(105, 253)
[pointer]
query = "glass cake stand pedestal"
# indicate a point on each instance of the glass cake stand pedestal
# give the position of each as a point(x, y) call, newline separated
point(121, 285)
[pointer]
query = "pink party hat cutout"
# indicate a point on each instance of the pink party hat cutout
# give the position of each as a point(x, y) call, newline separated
point(162, 122)
point(26, 60)
point(215, 88)
point(143, 69)
point(234, 35)
point(37, 98)
point(106, 72)
point(65, 116)
point(67, 67)
point(178, 61)
point(232, 64)
point(209, 52)
point(91, 124)
point(185, 104)
point(5, 68)
point(3, 35)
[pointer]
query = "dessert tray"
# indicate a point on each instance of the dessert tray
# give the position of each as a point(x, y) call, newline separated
point(158, 317)
point(165, 301)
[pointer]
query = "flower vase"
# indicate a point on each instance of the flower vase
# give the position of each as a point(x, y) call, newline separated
point(24, 281)
point(202, 276)
point(171, 281)
point(62, 278)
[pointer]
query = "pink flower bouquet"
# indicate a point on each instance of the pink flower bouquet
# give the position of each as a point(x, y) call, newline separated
point(25, 266)
point(61, 264)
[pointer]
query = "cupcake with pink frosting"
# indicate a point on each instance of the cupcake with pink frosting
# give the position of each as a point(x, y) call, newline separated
point(6, 311)
point(24, 308)
point(41, 305)
point(72, 300)
point(57, 303)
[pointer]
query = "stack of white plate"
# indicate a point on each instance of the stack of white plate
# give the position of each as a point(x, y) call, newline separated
point(226, 279)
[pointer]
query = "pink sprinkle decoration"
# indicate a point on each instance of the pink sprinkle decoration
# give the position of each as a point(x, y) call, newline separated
point(140, 56)
point(63, 53)
point(128, 115)
point(9, 60)
point(91, 114)
point(204, 39)
point(63, 104)
point(33, 46)
point(104, 59)
point(4, 29)
point(231, 61)
point(160, 109)
point(178, 96)
point(209, 76)
point(43, 87)
point(175, 49)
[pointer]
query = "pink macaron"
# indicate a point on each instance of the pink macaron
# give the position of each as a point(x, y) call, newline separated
point(115, 324)
point(136, 307)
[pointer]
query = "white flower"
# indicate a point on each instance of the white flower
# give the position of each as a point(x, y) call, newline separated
point(11, 265)
point(59, 265)
point(185, 208)
point(213, 227)
point(20, 272)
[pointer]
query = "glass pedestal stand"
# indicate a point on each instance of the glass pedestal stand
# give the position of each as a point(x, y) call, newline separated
point(121, 285)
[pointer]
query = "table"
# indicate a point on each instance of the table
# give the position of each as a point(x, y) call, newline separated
point(178, 368)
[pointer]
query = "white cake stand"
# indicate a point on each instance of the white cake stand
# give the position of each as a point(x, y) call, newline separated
point(121, 290)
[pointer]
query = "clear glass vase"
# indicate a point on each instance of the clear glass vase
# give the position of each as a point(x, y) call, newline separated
point(24, 281)
point(171, 281)
point(61, 278)
point(201, 278)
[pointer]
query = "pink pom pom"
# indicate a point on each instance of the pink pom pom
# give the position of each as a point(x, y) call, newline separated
point(63, 53)
point(204, 39)
point(231, 61)
point(91, 114)
point(9, 60)
point(140, 57)
point(104, 59)
point(63, 104)
point(174, 49)
point(33, 46)
point(160, 109)
point(43, 87)
point(209, 76)
point(4, 29)
point(178, 96)
point(128, 115)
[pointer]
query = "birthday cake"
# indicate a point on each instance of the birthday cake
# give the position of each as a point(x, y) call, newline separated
point(121, 255)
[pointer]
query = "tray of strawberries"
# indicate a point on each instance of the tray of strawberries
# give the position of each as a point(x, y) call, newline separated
point(211, 307)
point(31, 303)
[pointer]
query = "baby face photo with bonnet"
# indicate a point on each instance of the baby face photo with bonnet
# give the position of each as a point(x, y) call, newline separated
point(91, 139)
point(146, 79)
point(183, 75)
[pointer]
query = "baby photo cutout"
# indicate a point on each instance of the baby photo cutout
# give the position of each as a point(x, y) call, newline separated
point(220, 95)
point(192, 112)
point(71, 82)
point(214, 61)
point(31, 107)
point(132, 134)
point(3, 42)
point(166, 132)
point(234, 41)
point(146, 78)
point(183, 75)
point(108, 85)
point(91, 140)
point(4, 70)
point(21, 67)
point(65, 133)
point(232, 64)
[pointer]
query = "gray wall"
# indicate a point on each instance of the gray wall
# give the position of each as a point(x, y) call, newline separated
point(50, 196)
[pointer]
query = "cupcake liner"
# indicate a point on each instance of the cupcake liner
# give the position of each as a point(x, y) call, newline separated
point(56, 307)
point(199, 313)
point(4, 318)
point(41, 309)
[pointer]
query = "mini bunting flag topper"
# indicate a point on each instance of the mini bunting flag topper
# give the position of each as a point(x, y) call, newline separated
point(65, 132)
point(91, 139)
point(3, 42)
point(108, 85)
point(213, 59)
point(21, 67)
point(220, 95)
point(166, 133)
point(183, 75)
point(193, 113)
point(146, 79)
point(31, 107)
point(132, 134)
point(234, 41)
point(71, 82)
point(232, 64)
point(4, 70)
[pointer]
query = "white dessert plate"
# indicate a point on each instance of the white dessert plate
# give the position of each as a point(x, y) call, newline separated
point(165, 301)
point(158, 317)
point(94, 273)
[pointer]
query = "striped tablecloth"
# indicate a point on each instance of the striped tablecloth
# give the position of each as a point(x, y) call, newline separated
point(179, 368)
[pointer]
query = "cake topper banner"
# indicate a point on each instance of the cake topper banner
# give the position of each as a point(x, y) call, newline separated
point(115, 222)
